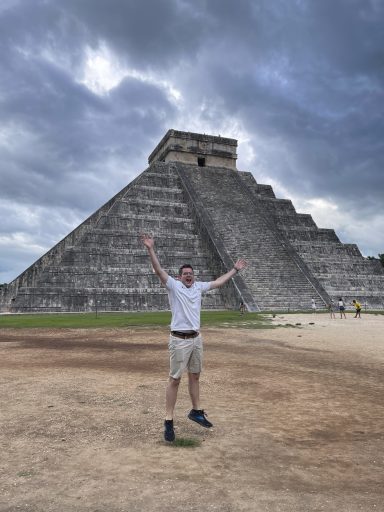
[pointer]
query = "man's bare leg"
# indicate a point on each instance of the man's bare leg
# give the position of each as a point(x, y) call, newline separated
point(171, 397)
point(197, 415)
point(194, 389)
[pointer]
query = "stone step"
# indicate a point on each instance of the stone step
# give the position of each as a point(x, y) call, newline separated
point(183, 252)
point(148, 224)
point(150, 192)
point(40, 299)
point(119, 257)
point(151, 209)
point(245, 233)
point(347, 267)
point(89, 290)
point(115, 241)
point(297, 220)
point(297, 234)
point(153, 179)
point(140, 270)
point(104, 281)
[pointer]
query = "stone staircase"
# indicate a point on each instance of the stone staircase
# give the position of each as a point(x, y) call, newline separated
point(340, 268)
point(275, 278)
point(105, 266)
point(208, 217)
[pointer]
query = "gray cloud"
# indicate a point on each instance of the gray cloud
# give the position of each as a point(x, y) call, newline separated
point(314, 85)
point(301, 80)
point(64, 131)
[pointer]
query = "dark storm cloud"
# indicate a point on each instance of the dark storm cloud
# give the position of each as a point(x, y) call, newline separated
point(64, 149)
point(302, 79)
point(147, 34)
point(308, 76)
point(64, 128)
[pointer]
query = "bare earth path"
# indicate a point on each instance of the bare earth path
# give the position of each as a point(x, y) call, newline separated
point(298, 414)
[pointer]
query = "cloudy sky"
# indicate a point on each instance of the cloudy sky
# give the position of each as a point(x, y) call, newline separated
point(89, 87)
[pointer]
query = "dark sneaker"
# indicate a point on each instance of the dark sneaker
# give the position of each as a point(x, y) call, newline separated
point(169, 433)
point(199, 417)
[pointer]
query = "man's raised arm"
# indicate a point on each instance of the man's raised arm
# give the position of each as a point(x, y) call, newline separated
point(150, 245)
point(239, 265)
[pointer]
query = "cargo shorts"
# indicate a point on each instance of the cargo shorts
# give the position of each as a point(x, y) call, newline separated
point(185, 354)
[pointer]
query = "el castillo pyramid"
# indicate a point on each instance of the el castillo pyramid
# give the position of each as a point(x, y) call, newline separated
point(201, 210)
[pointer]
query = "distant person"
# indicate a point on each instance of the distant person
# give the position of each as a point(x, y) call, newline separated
point(358, 308)
point(331, 309)
point(242, 308)
point(313, 305)
point(341, 307)
point(185, 341)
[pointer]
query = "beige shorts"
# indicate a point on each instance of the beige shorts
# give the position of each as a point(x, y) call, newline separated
point(185, 355)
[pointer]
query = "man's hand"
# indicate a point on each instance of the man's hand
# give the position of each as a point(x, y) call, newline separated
point(147, 240)
point(149, 243)
point(240, 264)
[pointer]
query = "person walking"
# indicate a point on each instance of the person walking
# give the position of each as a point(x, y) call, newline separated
point(185, 341)
point(331, 309)
point(357, 306)
point(341, 308)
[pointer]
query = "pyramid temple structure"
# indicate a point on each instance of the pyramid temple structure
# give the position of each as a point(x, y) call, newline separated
point(200, 210)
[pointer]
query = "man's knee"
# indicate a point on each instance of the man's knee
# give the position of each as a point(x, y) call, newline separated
point(174, 382)
point(194, 376)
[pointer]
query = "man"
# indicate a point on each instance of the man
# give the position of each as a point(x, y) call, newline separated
point(185, 342)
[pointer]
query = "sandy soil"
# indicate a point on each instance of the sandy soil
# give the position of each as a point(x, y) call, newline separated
point(298, 415)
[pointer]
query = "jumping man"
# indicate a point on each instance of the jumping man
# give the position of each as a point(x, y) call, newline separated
point(185, 341)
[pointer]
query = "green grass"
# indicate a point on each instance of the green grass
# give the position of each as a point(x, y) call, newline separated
point(26, 473)
point(147, 319)
point(85, 320)
point(226, 319)
point(186, 442)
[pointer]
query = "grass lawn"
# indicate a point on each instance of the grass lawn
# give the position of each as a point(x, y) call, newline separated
point(144, 319)
point(141, 319)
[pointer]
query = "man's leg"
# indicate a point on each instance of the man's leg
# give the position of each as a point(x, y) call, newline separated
point(171, 397)
point(196, 414)
point(194, 389)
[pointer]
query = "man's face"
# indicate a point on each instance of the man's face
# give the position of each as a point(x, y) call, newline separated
point(187, 277)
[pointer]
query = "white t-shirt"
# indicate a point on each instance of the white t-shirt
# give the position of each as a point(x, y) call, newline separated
point(185, 303)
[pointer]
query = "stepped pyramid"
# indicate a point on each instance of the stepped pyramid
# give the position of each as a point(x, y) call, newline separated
point(203, 211)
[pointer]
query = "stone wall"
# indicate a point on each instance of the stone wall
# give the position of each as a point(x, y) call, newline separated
point(186, 147)
point(208, 217)
point(339, 268)
point(103, 263)
point(273, 279)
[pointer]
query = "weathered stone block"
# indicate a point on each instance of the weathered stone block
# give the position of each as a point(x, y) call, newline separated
point(207, 214)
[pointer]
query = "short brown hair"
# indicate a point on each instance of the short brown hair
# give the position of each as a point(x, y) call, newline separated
point(186, 265)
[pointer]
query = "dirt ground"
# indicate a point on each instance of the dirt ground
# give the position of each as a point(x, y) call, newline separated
point(298, 415)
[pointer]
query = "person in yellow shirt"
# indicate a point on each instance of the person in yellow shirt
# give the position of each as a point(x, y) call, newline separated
point(357, 307)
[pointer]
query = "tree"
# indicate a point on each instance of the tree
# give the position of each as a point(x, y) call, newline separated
point(380, 258)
